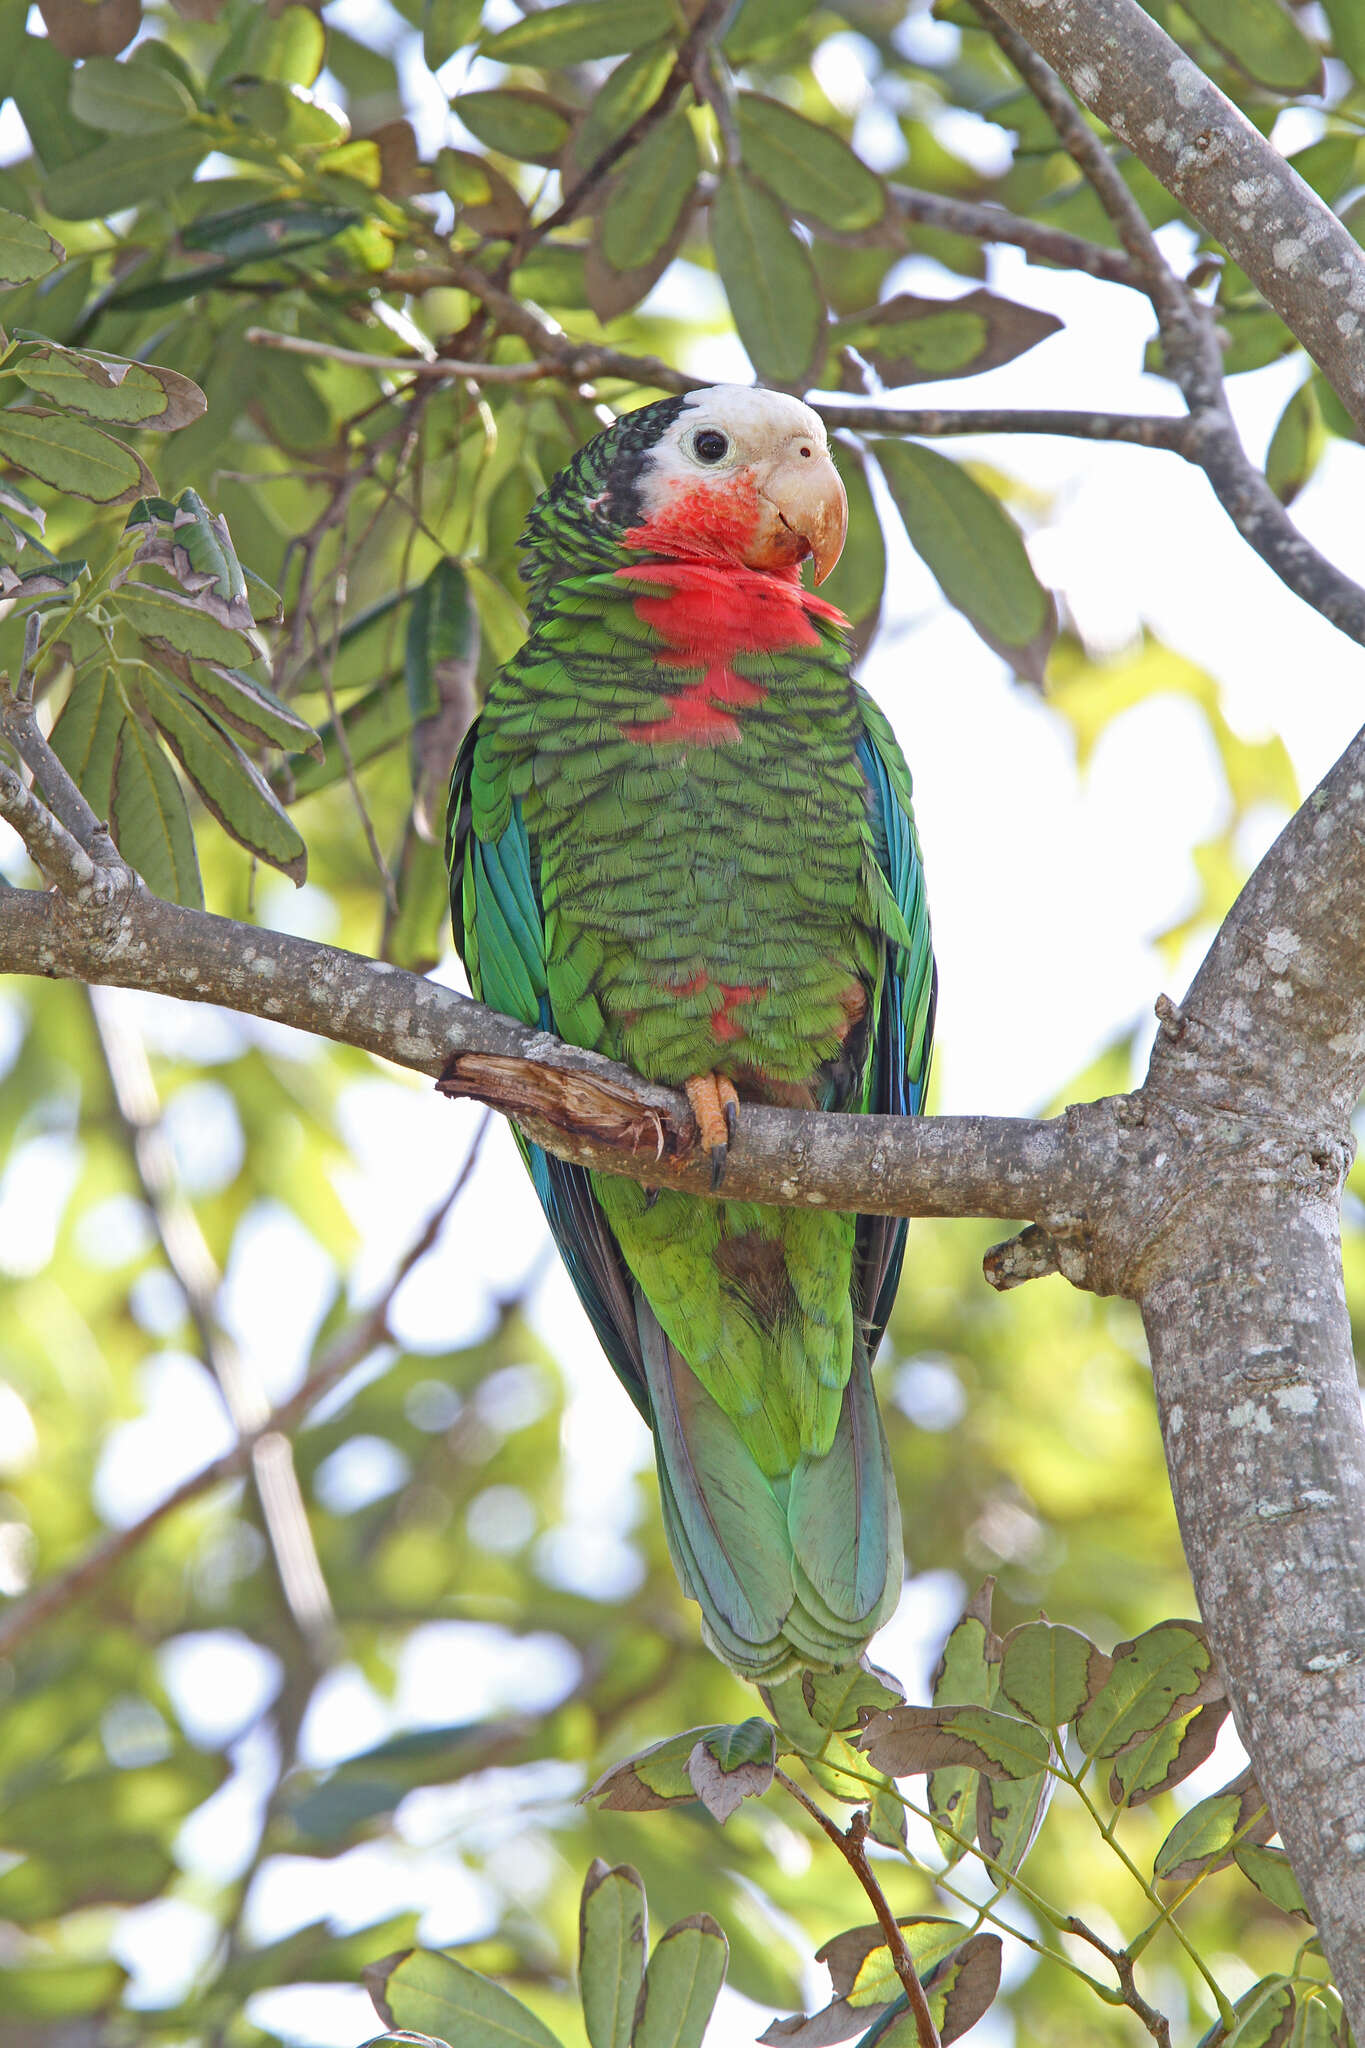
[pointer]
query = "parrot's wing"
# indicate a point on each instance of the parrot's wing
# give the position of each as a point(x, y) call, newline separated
point(903, 1038)
point(500, 936)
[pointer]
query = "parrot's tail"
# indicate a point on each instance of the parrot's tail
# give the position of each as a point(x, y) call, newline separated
point(789, 1573)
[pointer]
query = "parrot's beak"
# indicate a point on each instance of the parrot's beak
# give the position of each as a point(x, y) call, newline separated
point(804, 494)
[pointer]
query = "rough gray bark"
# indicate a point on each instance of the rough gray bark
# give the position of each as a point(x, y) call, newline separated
point(1158, 102)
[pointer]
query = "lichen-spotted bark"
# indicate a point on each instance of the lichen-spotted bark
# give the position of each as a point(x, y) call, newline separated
point(1256, 1386)
point(1158, 103)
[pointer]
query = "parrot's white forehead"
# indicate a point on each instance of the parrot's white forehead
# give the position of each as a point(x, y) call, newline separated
point(767, 419)
point(758, 427)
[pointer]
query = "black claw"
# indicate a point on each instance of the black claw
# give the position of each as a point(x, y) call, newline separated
point(651, 1196)
point(732, 1119)
point(719, 1153)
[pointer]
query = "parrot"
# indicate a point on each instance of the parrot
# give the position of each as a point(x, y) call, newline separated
point(681, 835)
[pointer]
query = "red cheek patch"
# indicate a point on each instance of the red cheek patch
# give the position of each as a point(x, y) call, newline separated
point(712, 520)
point(711, 609)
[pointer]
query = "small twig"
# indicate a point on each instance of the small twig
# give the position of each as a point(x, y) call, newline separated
point(986, 223)
point(437, 369)
point(138, 1110)
point(1193, 358)
point(850, 1845)
point(704, 29)
point(23, 689)
point(19, 725)
point(1142, 430)
point(63, 1590)
point(1156, 2023)
point(57, 854)
point(1093, 160)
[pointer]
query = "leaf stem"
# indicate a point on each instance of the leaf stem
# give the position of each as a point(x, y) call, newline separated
point(850, 1844)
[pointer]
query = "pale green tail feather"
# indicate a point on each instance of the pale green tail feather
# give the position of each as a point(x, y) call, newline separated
point(735, 1530)
point(843, 1514)
point(772, 1598)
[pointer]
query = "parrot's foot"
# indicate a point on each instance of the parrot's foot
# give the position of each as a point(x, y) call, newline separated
point(715, 1105)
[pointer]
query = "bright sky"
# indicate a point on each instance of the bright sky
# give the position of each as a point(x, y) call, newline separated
point(1045, 898)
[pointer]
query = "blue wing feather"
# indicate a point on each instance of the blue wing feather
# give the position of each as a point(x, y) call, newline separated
point(500, 935)
point(902, 1041)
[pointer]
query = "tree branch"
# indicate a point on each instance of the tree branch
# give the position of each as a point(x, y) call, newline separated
point(850, 1846)
point(1142, 430)
point(1159, 104)
point(582, 1106)
point(1188, 330)
point(986, 223)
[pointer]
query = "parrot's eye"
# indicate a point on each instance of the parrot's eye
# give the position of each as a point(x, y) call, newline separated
point(710, 445)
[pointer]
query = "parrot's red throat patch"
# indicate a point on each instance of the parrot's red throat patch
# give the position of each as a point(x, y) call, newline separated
point(706, 614)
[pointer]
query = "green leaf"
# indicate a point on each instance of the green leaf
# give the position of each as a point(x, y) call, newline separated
point(580, 30)
point(630, 91)
point(809, 168)
point(732, 1764)
point(1273, 1876)
point(907, 1740)
point(287, 48)
point(1319, 2021)
point(375, 722)
point(1203, 1839)
point(527, 125)
point(443, 629)
point(248, 234)
point(230, 786)
point(1263, 2018)
point(72, 457)
point(649, 193)
point(488, 202)
point(440, 656)
point(448, 26)
point(86, 736)
point(1296, 445)
point(40, 80)
point(769, 280)
point(27, 252)
point(682, 1984)
point(237, 699)
point(1166, 1755)
point(1049, 1672)
point(128, 99)
point(110, 389)
point(961, 1989)
point(758, 25)
point(1263, 39)
point(973, 548)
point(127, 170)
point(809, 1705)
point(1009, 1813)
point(655, 1777)
point(966, 1674)
point(929, 1938)
point(194, 546)
point(151, 824)
point(1156, 1678)
point(909, 340)
point(1347, 24)
point(429, 1991)
point(184, 625)
point(613, 1937)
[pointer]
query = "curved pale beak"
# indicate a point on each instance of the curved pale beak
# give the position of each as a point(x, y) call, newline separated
point(809, 513)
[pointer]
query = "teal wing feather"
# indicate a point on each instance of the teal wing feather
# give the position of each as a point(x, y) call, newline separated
point(500, 935)
point(903, 1035)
